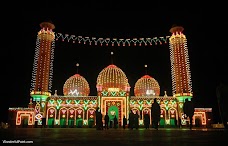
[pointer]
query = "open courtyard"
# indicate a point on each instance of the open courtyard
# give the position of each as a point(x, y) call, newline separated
point(118, 137)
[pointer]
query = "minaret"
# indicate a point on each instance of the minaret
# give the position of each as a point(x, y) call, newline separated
point(180, 66)
point(43, 68)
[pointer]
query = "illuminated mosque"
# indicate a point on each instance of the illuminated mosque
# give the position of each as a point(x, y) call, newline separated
point(77, 109)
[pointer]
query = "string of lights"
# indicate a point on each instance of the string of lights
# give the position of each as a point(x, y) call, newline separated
point(112, 41)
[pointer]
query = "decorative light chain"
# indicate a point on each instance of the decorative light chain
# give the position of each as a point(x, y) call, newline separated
point(112, 41)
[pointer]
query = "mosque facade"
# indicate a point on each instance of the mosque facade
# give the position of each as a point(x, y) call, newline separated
point(75, 108)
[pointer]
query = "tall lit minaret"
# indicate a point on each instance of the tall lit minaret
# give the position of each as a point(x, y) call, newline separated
point(43, 68)
point(180, 66)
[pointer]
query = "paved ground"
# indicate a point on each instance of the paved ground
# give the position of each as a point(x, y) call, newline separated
point(117, 137)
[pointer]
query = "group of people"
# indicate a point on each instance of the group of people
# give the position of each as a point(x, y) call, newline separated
point(107, 122)
point(155, 115)
point(134, 117)
point(110, 123)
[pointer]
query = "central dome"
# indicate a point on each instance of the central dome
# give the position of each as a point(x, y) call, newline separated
point(112, 78)
point(76, 85)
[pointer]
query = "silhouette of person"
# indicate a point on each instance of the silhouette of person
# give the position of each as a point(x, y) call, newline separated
point(136, 120)
point(131, 120)
point(124, 122)
point(99, 125)
point(115, 122)
point(97, 117)
point(111, 124)
point(101, 121)
point(146, 121)
point(189, 110)
point(106, 119)
point(155, 113)
point(179, 122)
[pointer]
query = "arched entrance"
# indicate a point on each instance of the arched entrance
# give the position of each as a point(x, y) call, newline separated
point(91, 117)
point(112, 112)
point(71, 117)
point(51, 116)
point(79, 117)
point(63, 117)
point(114, 106)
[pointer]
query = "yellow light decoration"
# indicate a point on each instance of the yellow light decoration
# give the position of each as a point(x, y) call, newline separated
point(180, 67)
point(112, 77)
point(146, 86)
point(21, 114)
point(76, 85)
point(43, 59)
point(40, 93)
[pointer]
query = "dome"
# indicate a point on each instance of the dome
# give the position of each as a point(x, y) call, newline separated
point(76, 85)
point(146, 86)
point(112, 78)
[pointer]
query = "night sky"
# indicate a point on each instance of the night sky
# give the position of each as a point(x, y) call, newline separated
point(202, 27)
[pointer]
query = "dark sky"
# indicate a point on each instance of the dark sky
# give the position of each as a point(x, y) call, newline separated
point(203, 29)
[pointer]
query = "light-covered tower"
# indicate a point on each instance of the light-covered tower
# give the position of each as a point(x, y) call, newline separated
point(43, 68)
point(180, 66)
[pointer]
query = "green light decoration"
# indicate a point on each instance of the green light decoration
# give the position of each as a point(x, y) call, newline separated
point(132, 102)
point(182, 98)
point(39, 122)
point(59, 101)
point(68, 101)
point(104, 93)
point(51, 101)
point(113, 93)
point(181, 105)
point(94, 101)
point(42, 104)
point(122, 93)
point(86, 101)
point(166, 102)
point(85, 122)
point(113, 111)
point(148, 101)
point(77, 102)
point(140, 106)
point(173, 102)
point(39, 97)
point(56, 121)
point(140, 102)
point(85, 106)
point(57, 106)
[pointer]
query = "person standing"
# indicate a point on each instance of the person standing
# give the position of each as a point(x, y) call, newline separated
point(146, 121)
point(98, 119)
point(179, 122)
point(189, 110)
point(131, 120)
point(124, 122)
point(136, 120)
point(106, 119)
point(155, 113)
point(115, 122)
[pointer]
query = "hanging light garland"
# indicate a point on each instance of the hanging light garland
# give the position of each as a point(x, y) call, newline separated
point(112, 41)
